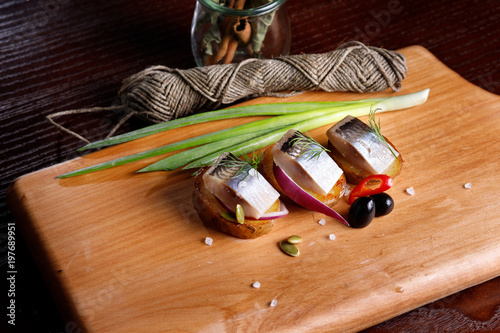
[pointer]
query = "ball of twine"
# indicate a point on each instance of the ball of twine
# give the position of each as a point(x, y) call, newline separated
point(160, 93)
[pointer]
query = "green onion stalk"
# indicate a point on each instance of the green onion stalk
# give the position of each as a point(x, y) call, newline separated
point(273, 109)
point(245, 138)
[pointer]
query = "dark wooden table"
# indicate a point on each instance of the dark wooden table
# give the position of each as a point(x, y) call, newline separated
point(62, 54)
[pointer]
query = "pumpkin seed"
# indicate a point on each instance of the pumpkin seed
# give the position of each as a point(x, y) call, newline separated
point(228, 216)
point(294, 239)
point(289, 248)
point(240, 214)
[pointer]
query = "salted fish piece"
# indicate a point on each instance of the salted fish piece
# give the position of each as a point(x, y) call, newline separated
point(358, 144)
point(317, 173)
point(233, 181)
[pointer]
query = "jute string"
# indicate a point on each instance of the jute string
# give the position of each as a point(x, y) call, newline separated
point(160, 93)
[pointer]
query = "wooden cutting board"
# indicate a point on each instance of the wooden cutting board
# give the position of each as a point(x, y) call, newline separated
point(125, 252)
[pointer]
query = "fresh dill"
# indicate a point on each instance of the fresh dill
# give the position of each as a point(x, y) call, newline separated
point(375, 128)
point(255, 160)
point(243, 166)
point(308, 145)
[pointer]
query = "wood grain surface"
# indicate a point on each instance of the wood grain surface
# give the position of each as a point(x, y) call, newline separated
point(125, 252)
point(57, 55)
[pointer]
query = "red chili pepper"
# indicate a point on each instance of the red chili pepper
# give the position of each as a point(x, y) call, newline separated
point(381, 182)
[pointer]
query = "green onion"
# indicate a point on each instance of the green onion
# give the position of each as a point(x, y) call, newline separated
point(180, 159)
point(265, 132)
point(388, 104)
point(286, 121)
point(273, 137)
point(242, 111)
point(258, 125)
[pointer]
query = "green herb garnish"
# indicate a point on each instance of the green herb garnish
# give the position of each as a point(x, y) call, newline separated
point(375, 127)
point(244, 165)
point(255, 160)
point(308, 145)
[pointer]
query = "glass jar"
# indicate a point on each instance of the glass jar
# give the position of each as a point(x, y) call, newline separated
point(224, 34)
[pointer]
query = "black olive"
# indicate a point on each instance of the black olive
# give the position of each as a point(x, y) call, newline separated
point(383, 203)
point(362, 212)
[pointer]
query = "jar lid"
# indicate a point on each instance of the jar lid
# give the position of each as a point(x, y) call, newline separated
point(264, 9)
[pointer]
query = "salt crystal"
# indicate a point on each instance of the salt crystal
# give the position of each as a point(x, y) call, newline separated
point(322, 222)
point(332, 236)
point(410, 191)
point(468, 185)
point(256, 285)
point(242, 183)
point(209, 241)
point(347, 191)
point(399, 289)
point(274, 302)
point(252, 172)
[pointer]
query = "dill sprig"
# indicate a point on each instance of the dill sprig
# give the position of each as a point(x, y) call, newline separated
point(244, 165)
point(308, 145)
point(255, 160)
point(375, 127)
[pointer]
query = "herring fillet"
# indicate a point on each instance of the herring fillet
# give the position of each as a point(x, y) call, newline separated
point(317, 173)
point(357, 143)
point(237, 182)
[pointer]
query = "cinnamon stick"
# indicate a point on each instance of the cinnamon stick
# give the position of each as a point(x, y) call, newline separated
point(229, 41)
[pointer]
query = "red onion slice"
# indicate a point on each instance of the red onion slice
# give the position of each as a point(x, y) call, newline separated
point(297, 194)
